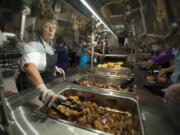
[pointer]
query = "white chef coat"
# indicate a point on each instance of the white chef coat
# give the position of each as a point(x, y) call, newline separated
point(35, 52)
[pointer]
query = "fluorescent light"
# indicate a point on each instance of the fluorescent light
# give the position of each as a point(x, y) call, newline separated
point(94, 13)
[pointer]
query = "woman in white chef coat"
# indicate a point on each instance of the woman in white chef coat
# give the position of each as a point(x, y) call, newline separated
point(38, 63)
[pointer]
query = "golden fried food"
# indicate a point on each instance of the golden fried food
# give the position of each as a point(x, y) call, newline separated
point(117, 74)
point(108, 73)
point(97, 117)
point(53, 114)
point(74, 99)
point(150, 78)
point(112, 86)
point(102, 65)
point(117, 65)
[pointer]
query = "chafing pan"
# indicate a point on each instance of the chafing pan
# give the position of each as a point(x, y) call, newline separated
point(116, 103)
point(103, 79)
point(113, 73)
point(113, 69)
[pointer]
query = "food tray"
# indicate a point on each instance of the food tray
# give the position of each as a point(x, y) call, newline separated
point(106, 80)
point(113, 73)
point(118, 104)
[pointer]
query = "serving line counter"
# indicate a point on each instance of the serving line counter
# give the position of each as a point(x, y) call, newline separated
point(29, 117)
point(159, 118)
point(153, 116)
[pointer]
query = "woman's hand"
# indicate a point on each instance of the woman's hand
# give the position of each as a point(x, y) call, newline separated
point(149, 63)
point(162, 72)
point(103, 55)
point(60, 70)
point(172, 93)
point(48, 96)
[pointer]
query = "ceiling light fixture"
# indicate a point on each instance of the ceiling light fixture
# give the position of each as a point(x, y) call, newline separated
point(94, 13)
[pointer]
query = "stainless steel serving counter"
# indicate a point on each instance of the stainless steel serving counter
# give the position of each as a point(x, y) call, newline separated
point(27, 117)
point(158, 118)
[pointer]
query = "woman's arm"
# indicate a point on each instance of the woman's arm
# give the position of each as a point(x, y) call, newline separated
point(98, 54)
point(48, 96)
point(33, 74)
point(163, 58)
point(169, 69)
point(95, 53)
point(144, 55)
point(88, 51)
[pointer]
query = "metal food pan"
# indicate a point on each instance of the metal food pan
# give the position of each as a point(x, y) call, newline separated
point(112, 69)
point(116, 103)
point(113, 73)
point(107, 79)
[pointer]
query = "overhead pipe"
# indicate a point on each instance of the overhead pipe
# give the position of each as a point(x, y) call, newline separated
point(9, 35)
point(26, 11)
point(96, 13)
point(142, 16)
point(154, 36)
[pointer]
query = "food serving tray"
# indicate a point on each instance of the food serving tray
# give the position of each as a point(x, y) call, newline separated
point(114, 69)
point(96, 79)
point(112, 73)
point(114, 103)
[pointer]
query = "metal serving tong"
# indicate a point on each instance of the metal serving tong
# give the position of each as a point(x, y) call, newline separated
point(58, 112)
point(124, 85)
point(73, 107)
point(58, 102)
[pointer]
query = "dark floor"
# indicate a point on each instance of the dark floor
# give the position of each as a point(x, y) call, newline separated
point(8, 79)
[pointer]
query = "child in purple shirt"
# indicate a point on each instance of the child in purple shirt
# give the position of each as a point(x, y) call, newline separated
point(166, 56)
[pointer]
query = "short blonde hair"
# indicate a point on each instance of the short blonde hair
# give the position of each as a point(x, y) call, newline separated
point(50, 20)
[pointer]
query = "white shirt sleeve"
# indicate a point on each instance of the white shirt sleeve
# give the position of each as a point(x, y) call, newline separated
point(36, 58)
point(33, 52)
